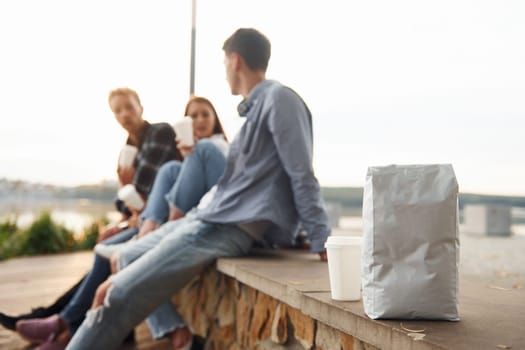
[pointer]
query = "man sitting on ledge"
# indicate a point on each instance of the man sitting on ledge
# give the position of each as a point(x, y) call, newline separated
point(267, 189)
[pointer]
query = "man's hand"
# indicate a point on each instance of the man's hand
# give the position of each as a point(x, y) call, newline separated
point(108, 231)
point(323, 256)
point(125, 175)
point(100, 295)
point(134, 219)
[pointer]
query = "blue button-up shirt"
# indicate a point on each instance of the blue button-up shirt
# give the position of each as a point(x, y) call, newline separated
point(269, 174)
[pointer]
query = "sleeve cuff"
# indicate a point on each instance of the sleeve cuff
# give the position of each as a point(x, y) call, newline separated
point(317, 245)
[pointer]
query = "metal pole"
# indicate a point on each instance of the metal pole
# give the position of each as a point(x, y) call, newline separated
point(192, 58)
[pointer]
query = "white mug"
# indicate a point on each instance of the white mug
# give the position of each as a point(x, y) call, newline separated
point(184, 131)
point(129, 195)
point(127, 156)
point(344, 267)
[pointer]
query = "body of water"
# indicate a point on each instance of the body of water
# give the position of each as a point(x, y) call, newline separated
point(75, 215)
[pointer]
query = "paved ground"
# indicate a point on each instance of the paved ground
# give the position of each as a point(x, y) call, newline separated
point(35, 281)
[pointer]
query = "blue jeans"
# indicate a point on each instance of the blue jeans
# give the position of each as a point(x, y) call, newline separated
point(74, 312)
point(180, 253)
point(165, 318)
point(182, 184)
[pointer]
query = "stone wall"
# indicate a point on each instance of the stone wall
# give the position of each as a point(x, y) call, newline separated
point(231, 315)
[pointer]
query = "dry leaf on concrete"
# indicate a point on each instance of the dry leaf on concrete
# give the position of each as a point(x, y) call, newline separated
point(501, 346)
point(499, 288)
point(296, 283)
point(411, 330)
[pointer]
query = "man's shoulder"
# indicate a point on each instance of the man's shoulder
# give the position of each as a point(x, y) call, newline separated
point(282, 94)
point(160, 132)
point(277, 89)
point(162, 128)
point(270, 90)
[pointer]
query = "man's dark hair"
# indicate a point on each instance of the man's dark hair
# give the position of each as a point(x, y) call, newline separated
point(251, 45)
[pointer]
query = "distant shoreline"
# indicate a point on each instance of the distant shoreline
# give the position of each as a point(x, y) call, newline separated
point(348, 197)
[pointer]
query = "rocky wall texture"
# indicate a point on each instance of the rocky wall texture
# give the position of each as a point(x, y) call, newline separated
point(231, 315)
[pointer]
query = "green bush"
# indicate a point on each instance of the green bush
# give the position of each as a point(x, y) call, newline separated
point(89, 239)
point(8, 230)
point(8, 227)
point(44, 237)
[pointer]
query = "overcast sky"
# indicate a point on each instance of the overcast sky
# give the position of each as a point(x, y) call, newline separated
point(388, 82)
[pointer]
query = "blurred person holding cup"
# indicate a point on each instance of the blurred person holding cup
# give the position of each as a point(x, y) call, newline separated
point(180, 185)
point(148, 146)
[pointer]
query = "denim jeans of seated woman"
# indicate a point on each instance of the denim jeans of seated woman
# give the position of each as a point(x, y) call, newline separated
point(74, 312)
point(182, 184)
point(180, 253)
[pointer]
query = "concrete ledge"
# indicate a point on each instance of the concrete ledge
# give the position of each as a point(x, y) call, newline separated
point(489, 317)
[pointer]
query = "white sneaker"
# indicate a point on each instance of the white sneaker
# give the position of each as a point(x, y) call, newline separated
point(107, 250)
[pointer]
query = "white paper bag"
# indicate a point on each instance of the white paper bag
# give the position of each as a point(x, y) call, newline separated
point(410, 252)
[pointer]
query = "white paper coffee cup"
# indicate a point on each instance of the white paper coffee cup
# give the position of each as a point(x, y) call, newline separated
point(129, 195)
point(184, 130)
point(127, 156)
point(344, 267)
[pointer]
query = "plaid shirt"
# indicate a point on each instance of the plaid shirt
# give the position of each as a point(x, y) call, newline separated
point(156, 147)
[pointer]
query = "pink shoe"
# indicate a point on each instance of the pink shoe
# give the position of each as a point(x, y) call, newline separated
point(39, 330)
